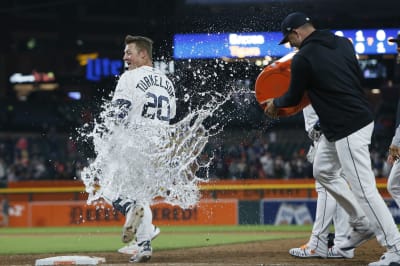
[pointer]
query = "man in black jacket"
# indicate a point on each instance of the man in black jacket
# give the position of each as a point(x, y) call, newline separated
point(326, 68)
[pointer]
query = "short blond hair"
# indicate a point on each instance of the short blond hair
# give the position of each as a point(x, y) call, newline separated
point(142, 43)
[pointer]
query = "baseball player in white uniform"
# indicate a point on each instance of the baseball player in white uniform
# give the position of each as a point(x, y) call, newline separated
point(327, 209)
point(143, 96)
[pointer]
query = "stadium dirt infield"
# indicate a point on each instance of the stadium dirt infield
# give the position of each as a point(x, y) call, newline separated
point(255, 253)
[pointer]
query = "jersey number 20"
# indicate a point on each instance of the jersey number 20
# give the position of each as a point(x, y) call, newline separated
point(156, 105)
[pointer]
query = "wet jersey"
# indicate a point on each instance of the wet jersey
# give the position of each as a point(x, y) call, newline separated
point(148, 93)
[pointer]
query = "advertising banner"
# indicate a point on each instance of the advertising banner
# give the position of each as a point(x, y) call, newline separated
point(287, 211)
point(78, 213)
point(208, 212)
point(302, 211)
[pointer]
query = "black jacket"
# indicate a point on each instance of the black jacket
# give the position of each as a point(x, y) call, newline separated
point(327, 69)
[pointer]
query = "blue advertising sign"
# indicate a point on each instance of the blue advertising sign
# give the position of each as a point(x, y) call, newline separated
point(229, 45)
point(286, 211)
point(261, 44)
point(394, 210)
point(302, 211)
point(99, 68)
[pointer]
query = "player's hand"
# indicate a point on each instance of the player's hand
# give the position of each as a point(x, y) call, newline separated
point(394, 153)
point(315, 132)
point(270, 109)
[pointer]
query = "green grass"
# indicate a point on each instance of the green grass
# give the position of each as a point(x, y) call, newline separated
point(103, 239)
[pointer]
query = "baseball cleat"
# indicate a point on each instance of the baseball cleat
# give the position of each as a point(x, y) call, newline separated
point(132, 220)
point(387, 259)
point(356, 238)
point(130, 249)
point(303, 252)
point(133, 248)
point(336, 253)
point(144, 254)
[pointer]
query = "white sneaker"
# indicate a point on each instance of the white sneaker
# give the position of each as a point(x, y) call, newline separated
point(130, 249)
point(144, 254)
point(356, 238)
point(133, 248)
point(132, 220)
point(303, 252)
point(336, 253)
point(387, 259)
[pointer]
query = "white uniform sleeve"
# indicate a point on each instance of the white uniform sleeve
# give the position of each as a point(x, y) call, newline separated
point(122, 90)
point(310, 117)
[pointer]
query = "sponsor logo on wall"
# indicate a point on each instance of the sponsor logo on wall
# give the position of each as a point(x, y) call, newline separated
point(299, 212)
point(86, 214)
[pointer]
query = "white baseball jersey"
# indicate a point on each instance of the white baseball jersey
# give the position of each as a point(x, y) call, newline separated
point(150, 92)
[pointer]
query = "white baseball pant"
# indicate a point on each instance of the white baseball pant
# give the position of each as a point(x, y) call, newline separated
point(362, 202)
point(393, 183)
point(328, 210)
point(146, 227)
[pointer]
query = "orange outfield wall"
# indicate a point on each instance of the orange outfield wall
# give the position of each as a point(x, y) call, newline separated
point(78, 213)
point(62, 203)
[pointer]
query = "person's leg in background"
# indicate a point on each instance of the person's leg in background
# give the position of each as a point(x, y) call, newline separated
point(353, 152)
point(393, 183)
point(327, 210)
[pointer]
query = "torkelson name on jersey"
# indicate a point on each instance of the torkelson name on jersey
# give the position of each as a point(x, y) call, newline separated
point(155, 80)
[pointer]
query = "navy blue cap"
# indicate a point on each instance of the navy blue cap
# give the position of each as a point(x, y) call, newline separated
point(291, 22)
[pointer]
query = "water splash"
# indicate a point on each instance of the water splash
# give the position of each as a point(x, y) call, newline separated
point(145, 162)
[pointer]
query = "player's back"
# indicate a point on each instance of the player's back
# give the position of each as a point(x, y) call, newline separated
point(151, 94)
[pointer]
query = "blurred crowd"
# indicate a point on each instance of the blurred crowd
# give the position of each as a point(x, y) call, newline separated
point(50, 156)
point(275, 155)
point(236, 154)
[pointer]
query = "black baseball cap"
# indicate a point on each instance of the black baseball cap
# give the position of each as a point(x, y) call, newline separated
point(291, 22)
point(396, 40)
